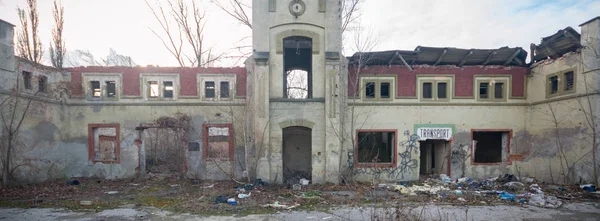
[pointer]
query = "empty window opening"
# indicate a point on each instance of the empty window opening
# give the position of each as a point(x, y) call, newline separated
point(553, 84)
point(297, 84)
point(168, 90)
point(498, 90)
point(219, 143)
point(42, 83)
point(103, 143)
point(442, 90)
point(370, 90)
point(297, 58)
point(489, 146)
point(111, 89)
point(154, 91)
point(384, 90)
point(483, 90)
point(224, 90)
point(569, 81)
point(375, 147)
point(209, 89)
point(96, 90)
point(427, 90)
point(27, 79)
point(433, 156)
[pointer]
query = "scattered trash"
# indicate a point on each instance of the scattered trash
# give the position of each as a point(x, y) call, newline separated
point(112, 192)
point(134, 184)
point(458, 192)
point(426, 189)
point(85, 203)
point(211, 186)
point(326, 218)
point(402, 189)
point(241, 190)
point(445, 178)
point(461, 199)
point(232, 201)
point(507, 196)
point(220, 199)
point(404, 183)
point(536, 188)
point(73, 182)
point(276, 205)
point(540, 200)
point(175, 185)
point(304, 182)
point(528, 180)
point(514, 184)
point(553, 187)
point(242, 196)
point(588, 187)
point(522, 200)
point(296, 187)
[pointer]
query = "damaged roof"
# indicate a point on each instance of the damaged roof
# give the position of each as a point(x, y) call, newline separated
point(444, 56)
point(556, 45)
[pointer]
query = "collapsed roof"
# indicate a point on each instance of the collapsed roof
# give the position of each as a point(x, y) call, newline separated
point(556, 45)
point(443, 56)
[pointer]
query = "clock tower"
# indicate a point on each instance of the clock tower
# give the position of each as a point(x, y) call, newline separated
point(296, 88)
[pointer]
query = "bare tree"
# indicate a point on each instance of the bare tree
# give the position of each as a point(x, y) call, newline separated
point(29, 45)
point(238, 10)
point(86, 58)
point(187, 36)
point(57, 48)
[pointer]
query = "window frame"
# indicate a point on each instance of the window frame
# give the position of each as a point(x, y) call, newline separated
point(203, 78)
point(378, 81)
point(561, 76)
point(102, 78)
point(505, 154)
point(491, 89)
point(27, 77)
point(435, 80)
point(43, 84)
point(205, 145)
point(377, 165)
point(160, 78)
point(91, 144)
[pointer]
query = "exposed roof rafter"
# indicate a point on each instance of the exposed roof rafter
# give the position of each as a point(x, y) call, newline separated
point(441, 56)
point(512, 57)
point(487, 60)
point(464, 59)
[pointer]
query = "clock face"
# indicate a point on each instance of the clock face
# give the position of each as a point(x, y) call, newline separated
point(297, 7)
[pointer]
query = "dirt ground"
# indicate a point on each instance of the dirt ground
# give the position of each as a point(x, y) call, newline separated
point(195, 197)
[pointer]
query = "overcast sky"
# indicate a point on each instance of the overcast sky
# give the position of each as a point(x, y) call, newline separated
point(124, 25)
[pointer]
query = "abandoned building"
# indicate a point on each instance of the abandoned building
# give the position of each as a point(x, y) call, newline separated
point(300, 109)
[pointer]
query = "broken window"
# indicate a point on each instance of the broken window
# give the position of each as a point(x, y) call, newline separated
point(297, 84)
point(553, 84)
point(499, 90)
point(218, 142)
point(375, 147)
point(27, 79)
point(224, 90)
point(569, 81)
point(483, 90)
point(489, 146)
point(42, 83)
point(384, 90)
point(370, 90)
point(427, 90)
point(96, 90)
point(168, 89)
point(209, 89)
point(154, 88)
point(111, 89)
point(442, 90)
point(103, 143)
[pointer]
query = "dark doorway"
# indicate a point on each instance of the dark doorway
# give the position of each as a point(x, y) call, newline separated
point(297, 67)
point(434, 157)
point(297, 154)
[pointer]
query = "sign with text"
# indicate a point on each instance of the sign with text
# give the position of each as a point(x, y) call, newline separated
point(434, 133)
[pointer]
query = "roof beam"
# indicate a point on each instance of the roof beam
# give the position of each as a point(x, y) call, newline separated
point(571, 36)
point(550, 50)
point(392, 58)
point(512, 57)
point(441, 56)
point(487, 60)
point(404, 61)
point(464, 59)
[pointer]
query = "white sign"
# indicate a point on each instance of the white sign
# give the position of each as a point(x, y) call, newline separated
point(438, 133)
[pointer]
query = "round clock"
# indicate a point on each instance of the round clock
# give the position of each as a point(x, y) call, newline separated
point(297, 7)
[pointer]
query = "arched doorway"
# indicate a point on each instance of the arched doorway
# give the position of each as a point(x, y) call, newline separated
point(297, 154)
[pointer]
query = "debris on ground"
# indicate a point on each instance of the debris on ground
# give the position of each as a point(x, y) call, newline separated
point(276, 205)
point(112, 192)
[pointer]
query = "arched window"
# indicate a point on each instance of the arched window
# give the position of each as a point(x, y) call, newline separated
point(297, 58)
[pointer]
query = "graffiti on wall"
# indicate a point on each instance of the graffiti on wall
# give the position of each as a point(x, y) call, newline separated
point(406, 164)
point(459, 157)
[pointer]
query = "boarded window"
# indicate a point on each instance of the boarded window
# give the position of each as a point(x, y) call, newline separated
point(154, 91)
point(569, 81)
point(384, 90)
point(42, 83)
point(375, 147)
point(106, 149)
point(370, 90)
point(111, 89)
point(218, 144)
point(103, 143)
point(498, 90)
point(483, 90)
point(209, 89)
point(489, 146)
point(553, 84)
point(96, 90)
point(442, 90)
point(224, 90)
point(168, 89)
point(427, 90)
point(27, 79)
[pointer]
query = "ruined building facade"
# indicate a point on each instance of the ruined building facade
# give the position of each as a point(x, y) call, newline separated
point(300, 109)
